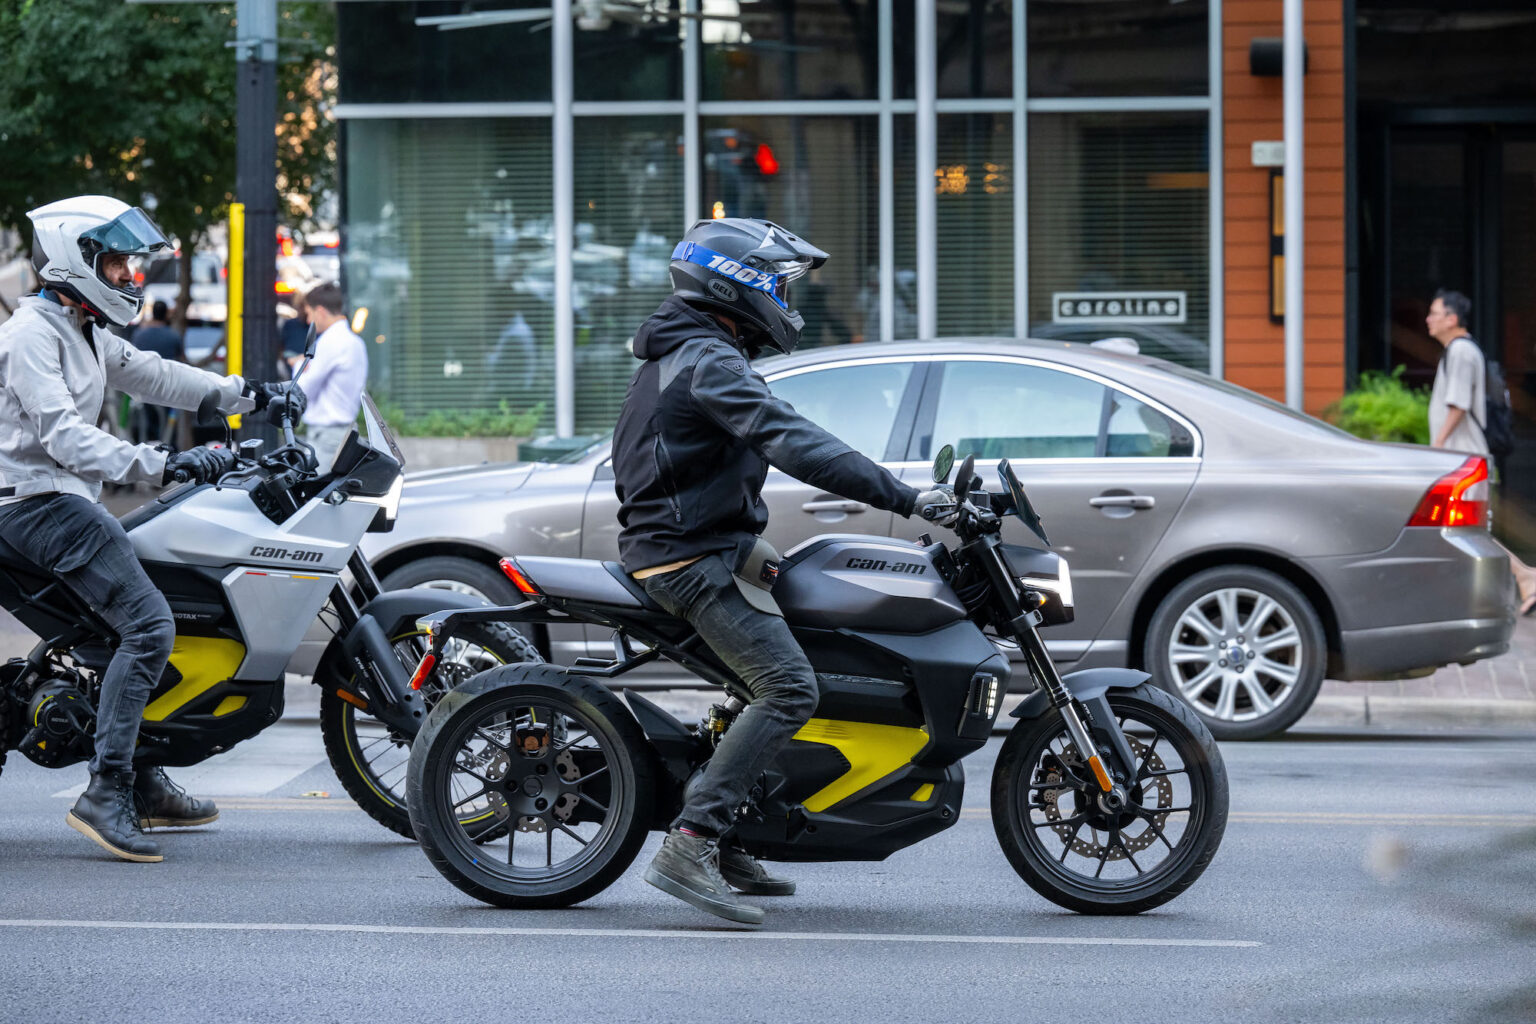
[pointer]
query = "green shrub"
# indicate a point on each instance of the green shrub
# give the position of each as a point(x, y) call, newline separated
point(498, 422)
point(1383, 408)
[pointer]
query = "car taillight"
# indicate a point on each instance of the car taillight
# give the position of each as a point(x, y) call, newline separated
point(520, 581)
point(1460, 498)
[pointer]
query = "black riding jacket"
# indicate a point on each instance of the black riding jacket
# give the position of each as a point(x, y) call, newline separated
point(696, 436)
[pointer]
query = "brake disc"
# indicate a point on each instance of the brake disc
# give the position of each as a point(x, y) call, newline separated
point(1050, 805)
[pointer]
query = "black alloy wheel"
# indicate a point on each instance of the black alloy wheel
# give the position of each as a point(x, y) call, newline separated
point(369, 758)
point(1073, 849)
point(558, 761)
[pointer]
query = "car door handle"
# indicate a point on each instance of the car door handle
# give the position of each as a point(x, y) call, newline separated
point(835, 505)
point(1123, 501)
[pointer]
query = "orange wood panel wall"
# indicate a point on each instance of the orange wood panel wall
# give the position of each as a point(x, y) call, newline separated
point(1253, 110)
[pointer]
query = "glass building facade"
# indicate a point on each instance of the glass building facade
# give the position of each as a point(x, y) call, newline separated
point(988, 169)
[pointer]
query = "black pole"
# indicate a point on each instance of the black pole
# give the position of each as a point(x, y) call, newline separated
point(256, 187)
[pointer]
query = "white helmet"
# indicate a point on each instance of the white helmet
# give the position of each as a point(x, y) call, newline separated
point(70, 238)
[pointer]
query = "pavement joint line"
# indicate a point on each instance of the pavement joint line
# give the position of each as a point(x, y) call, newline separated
point(631, 933)
point(1494, 819)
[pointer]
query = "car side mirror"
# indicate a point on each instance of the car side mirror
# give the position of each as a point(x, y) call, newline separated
point(943, 463)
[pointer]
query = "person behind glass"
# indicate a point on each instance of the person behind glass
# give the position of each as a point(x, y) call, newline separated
point(335, 377)
point(294, 333)
point(155, 335)
point(1457, 399)
point(695, 437)
point(57, 358)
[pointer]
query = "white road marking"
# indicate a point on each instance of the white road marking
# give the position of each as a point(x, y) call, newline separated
point(627, 933)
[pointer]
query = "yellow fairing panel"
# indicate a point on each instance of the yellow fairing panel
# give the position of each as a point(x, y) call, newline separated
point(204, 662)
point(873, 751)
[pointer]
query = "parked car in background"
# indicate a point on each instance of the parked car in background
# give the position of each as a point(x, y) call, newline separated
point(1237, 550)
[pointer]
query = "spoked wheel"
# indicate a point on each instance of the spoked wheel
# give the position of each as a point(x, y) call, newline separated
point(1077, 851)
point(370, 758)
point(557, 761)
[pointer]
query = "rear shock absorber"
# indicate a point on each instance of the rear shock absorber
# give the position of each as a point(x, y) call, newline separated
point(720, 718)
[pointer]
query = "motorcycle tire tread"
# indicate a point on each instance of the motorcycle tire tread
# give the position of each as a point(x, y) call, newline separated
point(336, 714)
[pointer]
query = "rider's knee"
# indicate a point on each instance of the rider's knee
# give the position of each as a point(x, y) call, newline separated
point(154, 637)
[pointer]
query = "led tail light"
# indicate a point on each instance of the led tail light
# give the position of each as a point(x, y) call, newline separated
point(1460, 498)
point(523, 584)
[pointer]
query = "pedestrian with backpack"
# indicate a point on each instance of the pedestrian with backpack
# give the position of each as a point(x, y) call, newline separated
point(1462, 415)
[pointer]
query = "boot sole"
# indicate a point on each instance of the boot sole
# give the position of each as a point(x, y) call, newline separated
point(96, 837)
point(729, 911)
point(751, 888)
point(178, 822)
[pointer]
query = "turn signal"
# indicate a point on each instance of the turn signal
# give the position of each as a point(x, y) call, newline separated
point(522, 583)
point(424, 669)
point(1460, 498)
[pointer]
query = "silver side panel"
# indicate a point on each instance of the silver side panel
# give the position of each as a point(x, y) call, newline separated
point(222, 527)
point(274, 609)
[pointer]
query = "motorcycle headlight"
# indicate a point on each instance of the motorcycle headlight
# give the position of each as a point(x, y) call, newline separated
point(1061, 586)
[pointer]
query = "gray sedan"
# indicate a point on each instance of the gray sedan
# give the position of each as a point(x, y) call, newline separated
point(1235, 549)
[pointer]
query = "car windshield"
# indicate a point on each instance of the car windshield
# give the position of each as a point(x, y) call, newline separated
point(1237, 391)
point(602, 444)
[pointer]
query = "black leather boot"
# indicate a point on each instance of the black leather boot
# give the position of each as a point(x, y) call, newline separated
point(105, 813)
point(747, 875)
point(163, 804)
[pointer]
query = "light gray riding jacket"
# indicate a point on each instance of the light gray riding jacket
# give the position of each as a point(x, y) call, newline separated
point(53, 380)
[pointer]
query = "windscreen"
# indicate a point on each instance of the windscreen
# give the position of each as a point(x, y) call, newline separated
point(378, 434)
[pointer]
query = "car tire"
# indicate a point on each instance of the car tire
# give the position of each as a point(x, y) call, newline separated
point(462, 576)
point(1241, 646)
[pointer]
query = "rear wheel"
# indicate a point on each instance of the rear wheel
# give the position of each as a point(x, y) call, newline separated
point(1242, 646)
point(1059, 837)
point(558, 760)
point(368, 757)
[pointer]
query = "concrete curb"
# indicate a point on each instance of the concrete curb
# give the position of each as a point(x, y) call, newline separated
point(1360, 713)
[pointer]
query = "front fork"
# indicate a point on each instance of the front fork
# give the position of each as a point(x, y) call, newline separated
point(1116, 772)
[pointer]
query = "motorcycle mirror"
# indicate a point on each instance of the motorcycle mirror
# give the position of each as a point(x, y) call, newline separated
point(208, 409)
point(309, 352)
point(943, 463)
point(966, 478)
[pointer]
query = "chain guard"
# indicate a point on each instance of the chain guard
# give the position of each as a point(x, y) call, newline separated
point(1049, 803)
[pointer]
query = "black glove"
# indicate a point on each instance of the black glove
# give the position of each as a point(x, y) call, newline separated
point(937, 506)
point(279, 398)
point(198, 464)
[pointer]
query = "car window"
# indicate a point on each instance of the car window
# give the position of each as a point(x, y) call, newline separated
point(997, 410)
point(857, 403)
point(1136, 430)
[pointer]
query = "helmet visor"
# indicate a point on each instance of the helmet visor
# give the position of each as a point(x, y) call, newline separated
point(772, 278)
point(131, 232)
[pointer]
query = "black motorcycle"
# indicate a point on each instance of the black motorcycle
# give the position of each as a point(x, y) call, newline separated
point(1108, 797)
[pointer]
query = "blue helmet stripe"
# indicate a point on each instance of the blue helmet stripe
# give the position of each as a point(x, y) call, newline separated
point(731, 270)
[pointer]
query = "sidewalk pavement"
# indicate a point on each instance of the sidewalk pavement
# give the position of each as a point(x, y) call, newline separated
point(1498, 694)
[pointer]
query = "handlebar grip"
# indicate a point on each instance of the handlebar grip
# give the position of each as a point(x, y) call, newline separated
point(181, 476)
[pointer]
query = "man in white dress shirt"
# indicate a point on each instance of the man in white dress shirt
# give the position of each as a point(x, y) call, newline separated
point(335, 378)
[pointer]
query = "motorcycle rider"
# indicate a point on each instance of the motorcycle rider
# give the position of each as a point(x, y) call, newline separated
point(57, 357)
point(696, 435)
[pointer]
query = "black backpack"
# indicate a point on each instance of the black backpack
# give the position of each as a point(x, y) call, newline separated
point(1498, 420)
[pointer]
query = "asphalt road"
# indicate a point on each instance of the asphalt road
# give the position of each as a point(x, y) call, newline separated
point(1360, 880)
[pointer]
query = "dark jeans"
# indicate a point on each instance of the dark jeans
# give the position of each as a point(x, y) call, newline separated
point(85, 547)
point(757, 647)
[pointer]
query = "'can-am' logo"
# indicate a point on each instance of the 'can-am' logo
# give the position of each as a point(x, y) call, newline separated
point(910, 568)
point(293, 555)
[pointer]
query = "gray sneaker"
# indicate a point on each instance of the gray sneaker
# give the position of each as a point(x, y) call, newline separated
point(746, 874)
point(688, 867)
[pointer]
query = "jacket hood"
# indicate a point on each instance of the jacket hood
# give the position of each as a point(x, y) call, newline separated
point(674, 323)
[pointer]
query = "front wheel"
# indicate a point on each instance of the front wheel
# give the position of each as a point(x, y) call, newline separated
point(368, 757)
point(557, 760)
point(1060, 838)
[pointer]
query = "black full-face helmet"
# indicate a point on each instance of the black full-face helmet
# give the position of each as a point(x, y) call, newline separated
point(742, 268)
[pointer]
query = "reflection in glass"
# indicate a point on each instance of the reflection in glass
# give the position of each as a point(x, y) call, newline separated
point(974, 182)
point(817, 177)
point(455, 269)
point(629, 208)
point(1119, 203)
point(856, 403)
point(806, 49)
point(627, 61)
point(975, 49)
point(1118, 47)
point(996, 410)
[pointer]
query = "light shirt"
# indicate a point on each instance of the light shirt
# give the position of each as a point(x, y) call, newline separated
point(335, 378)
point(1460, 381)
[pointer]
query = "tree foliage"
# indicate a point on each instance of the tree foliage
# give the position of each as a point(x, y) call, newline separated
point(137, 101)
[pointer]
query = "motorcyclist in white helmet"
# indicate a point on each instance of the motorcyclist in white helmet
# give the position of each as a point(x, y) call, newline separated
point(58, 356)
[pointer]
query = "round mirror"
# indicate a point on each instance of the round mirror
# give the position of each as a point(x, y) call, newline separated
point(943, 463)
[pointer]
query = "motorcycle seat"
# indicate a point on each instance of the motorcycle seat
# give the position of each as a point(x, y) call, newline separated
point(586, 580)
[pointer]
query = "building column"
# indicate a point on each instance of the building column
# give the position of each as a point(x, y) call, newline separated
point(561, 133)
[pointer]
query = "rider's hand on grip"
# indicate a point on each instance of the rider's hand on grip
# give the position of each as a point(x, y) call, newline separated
point(937, 506)
point(199, 464)
point(281, 399)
